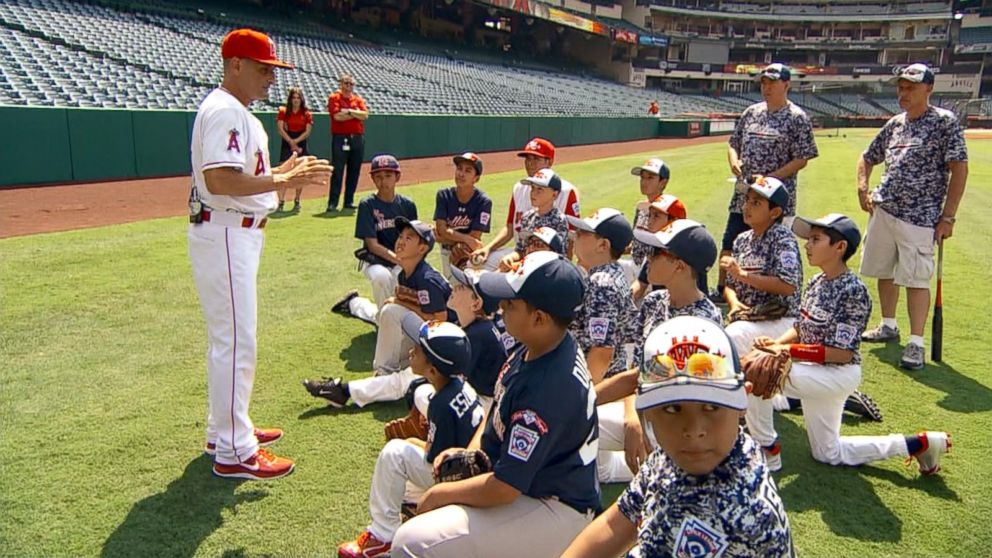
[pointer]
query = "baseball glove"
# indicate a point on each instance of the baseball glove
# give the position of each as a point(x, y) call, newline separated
point(767, 370)
point(407, 295)
point(413, 425)
point(771, 310)
point(462, 464)
point(459, 255)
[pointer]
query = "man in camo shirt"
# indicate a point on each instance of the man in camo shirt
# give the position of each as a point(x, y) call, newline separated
point(772, 138)
point(926, 167)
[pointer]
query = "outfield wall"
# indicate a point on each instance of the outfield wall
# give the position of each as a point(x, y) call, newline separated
point(52, 145)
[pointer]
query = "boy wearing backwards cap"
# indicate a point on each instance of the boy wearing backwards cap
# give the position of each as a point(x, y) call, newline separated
point(706, 491)
point(661, 211)
point(375, 226)
point(545, 187)
point(541, 434)
point(654, 175)
point(441, 352)
point(826, 363)
point(462, 213)
point(604, 324)
point(538, 154)
point(421, 291)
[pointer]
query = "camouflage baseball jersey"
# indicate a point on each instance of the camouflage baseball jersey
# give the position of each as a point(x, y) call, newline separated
point(774, 253)
point(734, 512)
point(638, 250)
point(834, 312)
point(656, 307)
point(607, 316)
point(532, 220)
point(766, 141)
point(916, 154)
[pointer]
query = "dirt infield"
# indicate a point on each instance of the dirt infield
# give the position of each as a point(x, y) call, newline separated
point(33, 210)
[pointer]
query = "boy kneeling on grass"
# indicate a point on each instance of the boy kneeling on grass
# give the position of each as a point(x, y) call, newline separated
point(441, 352)
point(706, 491)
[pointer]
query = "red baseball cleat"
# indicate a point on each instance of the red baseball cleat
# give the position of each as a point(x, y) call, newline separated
point(265, 437)
point(365, 546)
point(264, 465)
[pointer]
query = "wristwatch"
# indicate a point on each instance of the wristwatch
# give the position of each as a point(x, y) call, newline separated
point(949, 220)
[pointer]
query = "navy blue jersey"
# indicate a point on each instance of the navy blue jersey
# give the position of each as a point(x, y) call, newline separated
point(376, 219)
point(543, 436)
point(474, 215)
point(453, 416)
point(432, 290)
point(488, 356)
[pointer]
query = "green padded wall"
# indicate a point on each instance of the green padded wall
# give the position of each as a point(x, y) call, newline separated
point(102, 143)
point(38, 148)
point(161, 142)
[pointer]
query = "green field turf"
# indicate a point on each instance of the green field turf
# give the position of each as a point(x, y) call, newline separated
point(102, 395)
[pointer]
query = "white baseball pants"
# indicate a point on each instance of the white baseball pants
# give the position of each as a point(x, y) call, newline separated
point(399, 462)
point(390, 387)
point(823, 390)
point(225, 269)
point(392, 346)
point(743, 334)
point(611, 462)
point(384, 281)
point(492, 262)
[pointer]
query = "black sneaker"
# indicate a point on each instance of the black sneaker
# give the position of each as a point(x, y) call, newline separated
point(341, 306)
point(330, 389)
point(862, 404)
point(280, 208)
point(349, 206)
point(296, 207)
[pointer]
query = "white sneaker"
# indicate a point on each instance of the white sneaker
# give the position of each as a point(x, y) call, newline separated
point(773, 457)
point(935, 444)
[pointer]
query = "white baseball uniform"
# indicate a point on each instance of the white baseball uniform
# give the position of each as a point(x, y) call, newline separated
point(567, 203)
point(224, 254)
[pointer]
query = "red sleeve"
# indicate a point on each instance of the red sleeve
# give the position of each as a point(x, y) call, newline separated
point(513, 210)
point(309, 117)
point(573, 204)
point(282, 114)
point(333, 105)
point(361, 103)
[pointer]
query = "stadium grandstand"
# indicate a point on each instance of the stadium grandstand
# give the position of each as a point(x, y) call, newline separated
point(499, 57)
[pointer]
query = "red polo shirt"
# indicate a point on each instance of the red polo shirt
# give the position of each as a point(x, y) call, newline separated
point(296, 122)
point(335, 103)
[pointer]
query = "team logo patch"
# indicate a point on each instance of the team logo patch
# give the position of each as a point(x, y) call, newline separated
point(523, 440)
point(789, 258)
point(698, 540)
point(232, 140)
point(845, 334)
point(575, 208)
point(423, 297)
point(259, 162)
point(598, 328)
point(484, 218)
point(530, 418)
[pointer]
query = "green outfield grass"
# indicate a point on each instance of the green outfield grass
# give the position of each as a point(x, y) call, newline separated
point(102, 395)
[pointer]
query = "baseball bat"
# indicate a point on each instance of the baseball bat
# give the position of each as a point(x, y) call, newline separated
point(937, 327)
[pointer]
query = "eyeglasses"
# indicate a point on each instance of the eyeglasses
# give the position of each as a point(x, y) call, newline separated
point(708, 368)
point(347, 83)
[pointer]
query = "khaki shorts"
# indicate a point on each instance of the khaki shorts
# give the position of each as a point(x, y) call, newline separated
point(895, 249)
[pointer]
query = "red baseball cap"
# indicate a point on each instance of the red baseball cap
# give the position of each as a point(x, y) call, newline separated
point(540, 147)
point(669, 205)
point(253, 45)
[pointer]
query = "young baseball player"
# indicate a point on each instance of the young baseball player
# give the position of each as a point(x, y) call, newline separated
point(233, 191)
point(679, 253)
point(654, 175)
point(661, 211)
point(441, 352)
point(473, 309)
point(765, 274)
point(541, 434)
point(824, 345)
point(421, 291)
point(462, 213)
point(375, 226)
point(538, 154)
point(545, 188)
point(706, 490)
point(603, 326)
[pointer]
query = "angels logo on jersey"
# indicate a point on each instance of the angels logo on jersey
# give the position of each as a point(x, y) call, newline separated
point(232, 140)
point(259, 162)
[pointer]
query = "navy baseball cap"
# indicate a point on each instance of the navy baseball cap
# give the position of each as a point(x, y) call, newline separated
point(776, 72)
point(384, 162)
point(653, 166)
point(545, 280)
point(688, 358)
point(688, 240)
point(550, 237)
point(836, 221)
point(773, 190)
point(471, 280)
point(545, 178)
point(916, 73)
point(445, 344)
point(608, 223)
point(423, 230)
point(470, 157)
